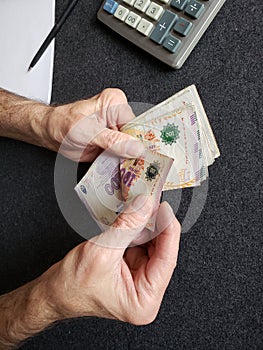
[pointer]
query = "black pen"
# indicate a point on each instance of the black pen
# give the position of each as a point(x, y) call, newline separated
point(52, 33)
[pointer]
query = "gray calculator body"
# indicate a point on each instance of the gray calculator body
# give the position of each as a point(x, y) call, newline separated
point(186, 43)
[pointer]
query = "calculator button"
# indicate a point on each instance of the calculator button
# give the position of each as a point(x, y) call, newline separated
point(110, 6)
point(163, 27)
point(194, 9)
point(171, 43)
point(145, 27)
point(142, 5)
point(121, 13)
point(129, 2)
point(132, 19)
point(182, 26)
point(179, 4)
point(154, 11)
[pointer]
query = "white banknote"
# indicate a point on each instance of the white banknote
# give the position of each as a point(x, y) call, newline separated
point(176, 135)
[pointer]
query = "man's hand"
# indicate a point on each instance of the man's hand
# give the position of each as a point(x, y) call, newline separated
point(79, 130)
point(104, 278)
point(101, 278)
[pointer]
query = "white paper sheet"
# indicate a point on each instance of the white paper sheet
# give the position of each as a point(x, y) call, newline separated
point(24, 25)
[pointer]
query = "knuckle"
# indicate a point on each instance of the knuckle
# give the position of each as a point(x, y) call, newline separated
point(137, 220)
point(129, 221)
point(122, 222)
point(112, 137)
point(116, 93)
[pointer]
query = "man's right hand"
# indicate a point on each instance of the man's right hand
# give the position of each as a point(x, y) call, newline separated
point(104, 278)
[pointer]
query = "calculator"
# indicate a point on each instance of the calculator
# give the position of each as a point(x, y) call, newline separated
point(167, 29)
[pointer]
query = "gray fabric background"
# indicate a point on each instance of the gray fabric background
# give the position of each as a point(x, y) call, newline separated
point(214, 300)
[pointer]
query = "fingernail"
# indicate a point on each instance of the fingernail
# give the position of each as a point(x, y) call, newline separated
point(168, 211)
point(142, 204)
point(134, 148)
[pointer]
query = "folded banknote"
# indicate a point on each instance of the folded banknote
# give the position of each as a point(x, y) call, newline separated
point(111, 184)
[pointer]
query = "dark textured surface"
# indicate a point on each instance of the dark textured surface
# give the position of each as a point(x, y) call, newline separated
point(214, 300)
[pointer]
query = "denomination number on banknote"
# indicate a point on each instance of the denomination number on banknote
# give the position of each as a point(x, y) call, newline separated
point(127, 177)
point(115, 182)
point(114, 185)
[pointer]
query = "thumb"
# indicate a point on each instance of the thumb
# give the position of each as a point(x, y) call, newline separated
point(127, 227)
point(120, 144)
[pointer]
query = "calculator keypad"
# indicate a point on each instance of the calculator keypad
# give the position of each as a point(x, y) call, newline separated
point(155, 11)
point(170, 24)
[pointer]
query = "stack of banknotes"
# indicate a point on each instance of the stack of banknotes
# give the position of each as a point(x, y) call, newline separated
point(180, 145)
